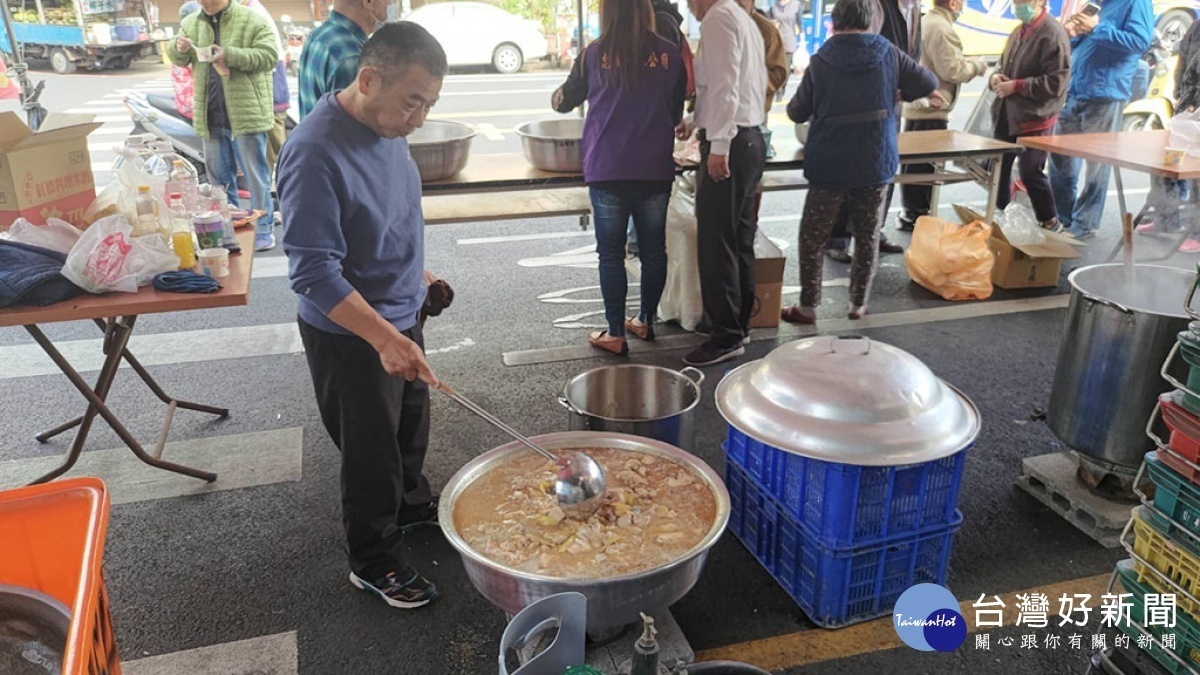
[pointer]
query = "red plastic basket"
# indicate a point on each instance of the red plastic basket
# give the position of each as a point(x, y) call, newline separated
point(1184, 439)
point(53, 541)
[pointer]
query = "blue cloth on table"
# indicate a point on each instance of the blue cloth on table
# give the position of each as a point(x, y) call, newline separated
point(32, 275)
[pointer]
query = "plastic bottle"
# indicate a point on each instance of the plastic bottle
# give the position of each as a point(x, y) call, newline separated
point(134, 149)
point(181, 232)
point(147, 213)
point(158, 165)
point(183, 179)
point(221, 205)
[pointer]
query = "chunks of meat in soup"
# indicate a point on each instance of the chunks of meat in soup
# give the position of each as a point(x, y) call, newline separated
point(654, 511)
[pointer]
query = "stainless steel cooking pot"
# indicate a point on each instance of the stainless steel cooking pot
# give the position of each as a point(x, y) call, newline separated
point(553, 145)
point(649, 401)
point(611, 601)
point(848, 400)
point(1114, 342)
point(33, 632)
point(440, 148)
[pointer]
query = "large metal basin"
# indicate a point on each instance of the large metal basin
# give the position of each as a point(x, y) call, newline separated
point(1114, 342)
point(33, 632)
point(612, 601)
point(440, 148)
point(553, 145)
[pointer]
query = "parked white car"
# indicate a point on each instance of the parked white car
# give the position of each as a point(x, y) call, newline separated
point(474, 34)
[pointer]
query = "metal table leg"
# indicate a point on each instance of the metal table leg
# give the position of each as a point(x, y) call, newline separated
point(993, 188)
point(154, 387)
point(116, 338)
point(935, 191)
point(1121, 242)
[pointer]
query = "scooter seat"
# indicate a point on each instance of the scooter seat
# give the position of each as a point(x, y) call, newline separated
point(165, 104)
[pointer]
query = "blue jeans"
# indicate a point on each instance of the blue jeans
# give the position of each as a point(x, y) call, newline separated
point(1082, 117)
point(611, 211)
point(224, 153)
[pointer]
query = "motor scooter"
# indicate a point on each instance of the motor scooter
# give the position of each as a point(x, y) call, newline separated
point(1157, 106)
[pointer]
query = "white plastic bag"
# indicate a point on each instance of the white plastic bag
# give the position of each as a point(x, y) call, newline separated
point(56, 235)
point(107, 258)
point(1184, 131)
point(120, 196)
point(1019, 223)
point(681, 299)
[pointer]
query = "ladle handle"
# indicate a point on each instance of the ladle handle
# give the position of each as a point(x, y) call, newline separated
point(493, 420)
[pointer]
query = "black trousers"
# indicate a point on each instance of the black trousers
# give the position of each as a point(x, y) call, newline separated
point(1032, 169)
point(915, 198)
point(725, 227)
point(380, 424)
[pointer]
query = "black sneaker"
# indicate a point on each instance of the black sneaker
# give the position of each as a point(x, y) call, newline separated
point(406, 590)
point(708, 354)
point(906, 222)
point(412, 517)
point(702, 329)
point(838, 255)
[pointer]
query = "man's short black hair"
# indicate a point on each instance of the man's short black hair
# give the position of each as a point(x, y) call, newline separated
point(402, 43)
point(853, 15)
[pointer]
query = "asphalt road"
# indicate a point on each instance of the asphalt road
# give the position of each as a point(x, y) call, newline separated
point(198, 570)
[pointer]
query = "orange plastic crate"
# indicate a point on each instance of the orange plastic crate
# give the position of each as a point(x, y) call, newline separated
point(53, 541)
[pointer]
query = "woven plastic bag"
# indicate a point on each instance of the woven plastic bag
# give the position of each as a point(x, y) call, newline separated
point(108, 258)
point(681, 300)
point(951, 260)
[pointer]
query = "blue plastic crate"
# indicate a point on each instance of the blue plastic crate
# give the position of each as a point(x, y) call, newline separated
point(847, 505)
point(834, 586)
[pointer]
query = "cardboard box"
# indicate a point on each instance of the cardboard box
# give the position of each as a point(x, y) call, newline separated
point(769, 262)
point(48, 173)
point(1027, 265)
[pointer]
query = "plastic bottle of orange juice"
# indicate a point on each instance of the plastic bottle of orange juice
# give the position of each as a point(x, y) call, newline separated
point(181, 232)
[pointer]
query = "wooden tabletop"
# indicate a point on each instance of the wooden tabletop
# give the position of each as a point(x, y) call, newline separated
point(1137, 150)
point(235, 290)
point(513, 172)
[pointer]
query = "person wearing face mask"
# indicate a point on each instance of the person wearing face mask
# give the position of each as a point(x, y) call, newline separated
point(329, 61)
point(942, 53)
point(1030, 83)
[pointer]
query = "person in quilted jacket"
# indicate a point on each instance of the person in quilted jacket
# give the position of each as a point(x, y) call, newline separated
point(233, 53)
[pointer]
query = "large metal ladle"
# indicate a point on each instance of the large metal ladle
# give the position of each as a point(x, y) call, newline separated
point(580, 483)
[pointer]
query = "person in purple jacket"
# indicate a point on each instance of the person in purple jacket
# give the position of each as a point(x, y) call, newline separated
point(849, 94)
point(634, 82)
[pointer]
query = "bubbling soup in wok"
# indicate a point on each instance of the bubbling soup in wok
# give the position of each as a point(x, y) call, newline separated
point(655, 510)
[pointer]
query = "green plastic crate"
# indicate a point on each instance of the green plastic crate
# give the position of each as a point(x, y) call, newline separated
point(1187, 632)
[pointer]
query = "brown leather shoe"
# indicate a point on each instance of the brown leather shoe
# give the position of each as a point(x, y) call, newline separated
point(639, 330)
point(602, 340)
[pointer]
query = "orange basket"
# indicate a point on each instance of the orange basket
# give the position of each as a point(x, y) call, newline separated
point(53, 541)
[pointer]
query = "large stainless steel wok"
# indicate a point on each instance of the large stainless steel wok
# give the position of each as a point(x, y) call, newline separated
point(612, 601)
point(440, 148)
point(553, 145)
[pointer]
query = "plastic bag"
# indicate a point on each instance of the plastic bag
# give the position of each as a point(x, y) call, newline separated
point(953, 261)
point(1019, 223)
point(107, 258)
point(120, 196)
point(1184, 131)
point(681, 299)
point(56, 235)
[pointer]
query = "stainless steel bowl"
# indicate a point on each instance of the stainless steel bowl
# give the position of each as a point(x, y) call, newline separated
point(612, 601)
point(440, 148)
point(553, 145)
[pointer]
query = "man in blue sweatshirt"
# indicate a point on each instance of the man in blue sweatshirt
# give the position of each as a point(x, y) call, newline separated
point(1105, 48)
point(354, 237)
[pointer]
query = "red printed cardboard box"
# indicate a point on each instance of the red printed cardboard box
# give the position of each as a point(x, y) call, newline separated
point(48, 173)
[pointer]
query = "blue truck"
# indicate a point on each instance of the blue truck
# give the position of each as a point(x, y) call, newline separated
point(91, 34)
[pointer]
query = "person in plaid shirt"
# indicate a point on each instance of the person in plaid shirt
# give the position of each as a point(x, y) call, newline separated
point(329, 61)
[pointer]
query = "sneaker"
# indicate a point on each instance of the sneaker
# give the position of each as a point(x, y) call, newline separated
point(406, 590)
point(264, 241)
point(906, 223)
point(1190, 245)
point(1051, 225)
point(412, 517)
point(708, 354)
point(838, 255)
point(702, 329)
point(1079, 235)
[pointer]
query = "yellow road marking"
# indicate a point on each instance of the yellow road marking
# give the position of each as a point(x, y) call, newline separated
point(818, 645)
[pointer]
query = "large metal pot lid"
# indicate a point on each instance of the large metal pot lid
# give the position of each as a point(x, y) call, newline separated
point(849, 400)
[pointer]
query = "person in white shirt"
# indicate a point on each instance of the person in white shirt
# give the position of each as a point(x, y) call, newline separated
point(731, 85)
